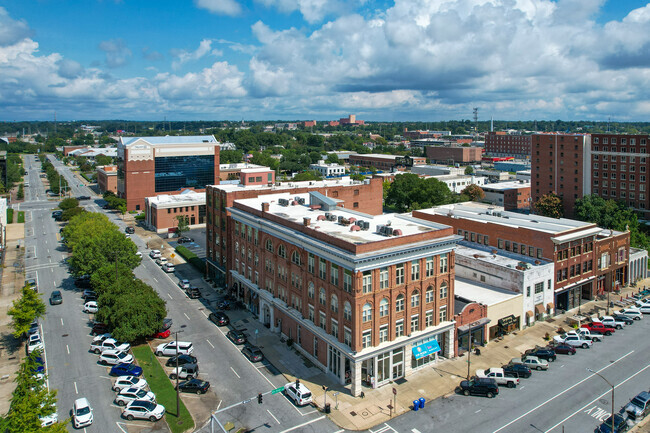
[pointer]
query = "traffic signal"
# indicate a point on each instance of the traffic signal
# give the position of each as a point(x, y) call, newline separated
point(259, 398)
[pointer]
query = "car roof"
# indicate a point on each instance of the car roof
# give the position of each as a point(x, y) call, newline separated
point(81, 402)
point(643, 395)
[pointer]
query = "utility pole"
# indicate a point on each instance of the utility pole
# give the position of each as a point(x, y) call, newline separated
point(613, 388)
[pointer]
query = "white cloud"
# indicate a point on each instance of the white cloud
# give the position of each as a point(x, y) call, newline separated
point(183, 56)
point(117, 53)
point(12, 31)
point(220, 7)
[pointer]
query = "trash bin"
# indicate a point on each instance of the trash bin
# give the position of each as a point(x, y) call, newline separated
point(422, 401)
point(327, 408)
point(416, 405)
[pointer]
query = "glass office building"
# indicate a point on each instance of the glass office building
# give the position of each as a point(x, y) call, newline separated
point(176, 172)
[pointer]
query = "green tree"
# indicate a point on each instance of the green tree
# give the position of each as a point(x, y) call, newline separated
point(70, 213)
point(68, 203)
point(90, 254)
point(85, 226)
point(332, 159)
point(182, 224)
point(103, 160)
point(410, 192)
point(307, 175)
point(549, 205)
point(21, 192)
point(473, 192)
point(469, 170)
point(25, 310)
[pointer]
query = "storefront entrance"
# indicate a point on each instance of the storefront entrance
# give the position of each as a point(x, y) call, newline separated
point(388, 365)
point(504, 326)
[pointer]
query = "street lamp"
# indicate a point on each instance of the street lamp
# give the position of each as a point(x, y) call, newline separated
point(613, 387)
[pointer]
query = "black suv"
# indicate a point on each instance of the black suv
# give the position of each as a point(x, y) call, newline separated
point(479, 386)
point(130, 230)
point(623, 318)
point(193, 292)
point(182, 360)
point(542, 353)
point(219, 318)
point(517, 370)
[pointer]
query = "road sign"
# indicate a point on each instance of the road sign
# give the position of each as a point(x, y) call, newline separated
point(276, 390)
point(394, 391)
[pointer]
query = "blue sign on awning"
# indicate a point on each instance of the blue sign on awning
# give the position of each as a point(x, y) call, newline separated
point(425, 349)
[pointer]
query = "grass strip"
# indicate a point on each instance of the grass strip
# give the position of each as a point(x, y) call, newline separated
point(160, 385)
point(10, 216)
point(21, 217)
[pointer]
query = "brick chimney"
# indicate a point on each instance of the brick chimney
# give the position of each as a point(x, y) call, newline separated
point(265, 207)
point(306, 221)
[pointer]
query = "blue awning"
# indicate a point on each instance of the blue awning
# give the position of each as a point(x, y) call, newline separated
point(426, 349)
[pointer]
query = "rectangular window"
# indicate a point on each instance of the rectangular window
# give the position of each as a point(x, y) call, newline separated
point(539, 253)
point(399, 274)
point(443, 313)
point(334, 274)
point(399, 328)
point(347, 280)
point(539, 287)
point(429, 318)
point(443, 263)
point(367, 281)
point(323, 321)
point(347, 336)
point(415, 323)
point(430, 267)
point(310, 263)
point(366, 338)
point(383, 333)
point(335, 329)
point(311, 313)
point(415, 270)
point(322, 269)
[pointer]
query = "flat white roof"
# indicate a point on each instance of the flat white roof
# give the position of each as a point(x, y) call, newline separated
point(186, 198)
point(259, 169)
point(342, 181)
point(171, 139)
point(503, 186)
point(481, 292)
point(239, 166)
point(487, 213)
point(296, 213)
point(378, 155)
point(501, 258)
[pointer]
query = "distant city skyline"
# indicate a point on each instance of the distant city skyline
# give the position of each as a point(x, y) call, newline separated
point(417, 60)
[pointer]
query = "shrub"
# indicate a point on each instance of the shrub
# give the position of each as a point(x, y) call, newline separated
point(10, 216)
point(68, 203)
point(21, 192)
point(141, 216)
point(191, 258)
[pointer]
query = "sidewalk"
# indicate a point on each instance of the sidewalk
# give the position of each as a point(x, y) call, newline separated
point(13, 279)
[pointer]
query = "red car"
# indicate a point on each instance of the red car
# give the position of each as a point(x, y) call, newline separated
point(162, 334)
point(564, 349)
point(599, 328)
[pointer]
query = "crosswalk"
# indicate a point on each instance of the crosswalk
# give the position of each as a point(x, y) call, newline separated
point(385, 428)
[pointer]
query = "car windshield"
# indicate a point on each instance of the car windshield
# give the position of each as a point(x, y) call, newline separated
point(141, 393)
point(637, 402)
point(83, 411)
point(306, 395)
point(122, 355)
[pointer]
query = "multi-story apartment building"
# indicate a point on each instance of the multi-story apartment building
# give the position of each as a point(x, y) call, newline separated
point(385, 162)
point(367, 298)
point(365, 196)
point(454, 154)
point(500, 143)
point(587, 259)
point(149, 166)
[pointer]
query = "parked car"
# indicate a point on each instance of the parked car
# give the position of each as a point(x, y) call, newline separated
point(531, 361)
point(142, 409)
point(639, 406)
point(623, 318)
point(48, 420)
point(620, 425)
point(87, 293)
point(83, 197)
point(611, 322)
point(109, 344)
point(184, 284)
point(517, 370)
point(219, 318)
point(632, 312)
point(126, 370)
point(34, 343)
point(499, 376)
point(90, 307)
point(169, 349)
point(479, 386)
point(33, 328)
point(83, 283)
point(154, 254)
point(162, 334)
point(575, 341)
point(182, 360)
point(99, 328)
point(236, 336)
point(31, 282)
point(82, 413)
point(99, 339)
point(185, 239)
point(130, 230)
point(127, 395)
point(194, 385)
point(166, 324)
point(161, 261)
point(129, 382)
point(542, 353)
point(599, 328)
point(168, 267)
point(56, 298)
point(114, 357)
point(187, 371)
point(298, 393)
point(193, 293)
point(253, 353)
point(643, 308)
point(565, 349)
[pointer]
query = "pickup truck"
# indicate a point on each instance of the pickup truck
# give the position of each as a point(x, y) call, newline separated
point(611, 322)
point(580, 333)
point(599, 328)
point(499, 376)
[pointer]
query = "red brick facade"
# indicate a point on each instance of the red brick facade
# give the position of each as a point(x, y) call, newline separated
point(107, 178)
point(460, 155)
point(503, 144)
point(471, 314)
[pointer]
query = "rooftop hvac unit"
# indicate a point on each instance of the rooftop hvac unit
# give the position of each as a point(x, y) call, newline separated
point(327, 215)
point(332, 217)
point(388, 231)
point(283, 202)
point(366, 225)
point(380, 229)
point(301, 200)
point(341, 218)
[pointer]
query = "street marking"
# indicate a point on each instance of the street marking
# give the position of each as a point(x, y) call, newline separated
point(415, 430)
point(154, 278)
point(304, 424)
point(202, 312)
point(75, 388)
point(170, 296)
point(233, 370)
point(563, 392)
point(597, 398)
point(478, 411)
point(219, 405)
point(188, 317)
point(210, 344)
point(61, 321)
point(67, 348)
point(276, 420)
point(522, 386)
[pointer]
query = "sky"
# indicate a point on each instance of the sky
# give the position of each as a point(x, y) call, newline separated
point(402, 60)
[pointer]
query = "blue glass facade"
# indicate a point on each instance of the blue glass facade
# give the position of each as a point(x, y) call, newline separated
point(176, 172)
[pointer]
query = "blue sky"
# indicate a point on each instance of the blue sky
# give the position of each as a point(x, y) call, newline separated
point(324, 59)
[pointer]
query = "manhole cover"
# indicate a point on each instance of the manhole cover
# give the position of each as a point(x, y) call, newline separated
point(603, 401)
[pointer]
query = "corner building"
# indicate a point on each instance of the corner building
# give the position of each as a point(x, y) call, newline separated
point(367, 298)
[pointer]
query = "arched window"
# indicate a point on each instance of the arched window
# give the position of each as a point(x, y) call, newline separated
point(428, 297)
point(334, 304)
point(295, 258)
point(282, 251)
point(269, 245)
point(415, 298)
point(399, 303)
point(383, 308)
point(310, 290)
point(443, 290)
point(322, 298)
point(347, 311)
point(366, 314)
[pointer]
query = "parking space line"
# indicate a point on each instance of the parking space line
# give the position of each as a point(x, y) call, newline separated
point(67, 348)
point(202, 312)
point(75, 388)
point(233, 370)
point(170, 296)
point(276, 420)
point(303, 424)
point(188, 317)
point(62, 321)
point(210, 344)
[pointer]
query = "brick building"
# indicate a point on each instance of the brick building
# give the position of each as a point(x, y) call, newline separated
point(162, 211)
point(68, 149)
point(149, 166)
point(573, 246)
point(471, 318)
point(510, 195)
point(107, 178)
point(501, 143)
point(356, 195)
point(454, 154)
point(385, 162)
point(367, 298)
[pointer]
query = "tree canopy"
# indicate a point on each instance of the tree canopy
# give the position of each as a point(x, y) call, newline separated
point(410, 192)
point(25, 310)
point(549, 205)
point(473, 192)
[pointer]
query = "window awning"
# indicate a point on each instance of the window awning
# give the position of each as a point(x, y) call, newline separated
point(550, 305)
point(539, 308)
point(530, 313)
point(474, 325)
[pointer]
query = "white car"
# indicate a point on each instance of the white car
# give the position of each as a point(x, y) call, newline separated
point(161, 261)
point(154, 254)
point(184, 284)
point(82, 413)
point(109, 344)
point(48, 420)
point(99, 338)
point(127, 395)
point(139, 254)
point(142, 409)
point(114, 357)
point(299, 393)
point(169, 349)
point(90, 307)
point(168, 267)
point(124, 382)
point(632, 313)
point(34, 343)
point(644, 308)
point(576, 341)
